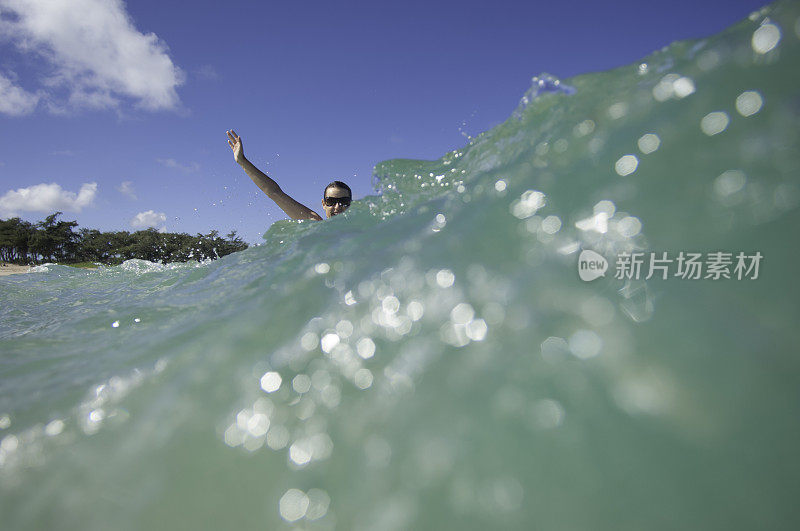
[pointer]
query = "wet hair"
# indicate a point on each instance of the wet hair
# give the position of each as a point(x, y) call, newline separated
point(337, 184)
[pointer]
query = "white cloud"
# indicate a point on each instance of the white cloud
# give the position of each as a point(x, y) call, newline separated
point(126, 188)
point(186, 168)
point(46, 198)
point(146, 220)
point(94, 52)
point(15, 100)
point(207, 72)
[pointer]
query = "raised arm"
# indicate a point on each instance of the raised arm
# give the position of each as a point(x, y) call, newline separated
point(292, 208)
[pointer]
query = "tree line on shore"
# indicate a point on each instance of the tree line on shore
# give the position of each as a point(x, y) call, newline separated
point(54, 240)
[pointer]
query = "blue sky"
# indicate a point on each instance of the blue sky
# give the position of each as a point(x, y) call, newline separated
point(115, 112)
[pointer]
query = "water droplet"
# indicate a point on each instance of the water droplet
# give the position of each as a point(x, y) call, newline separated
point(271, 382)
point(585, 344)
point(415, 310)
point(551, 224)
point(648, 143)
point(301, 383)
point(729, 183)
point(365, 347)
point(618, 110)
point(683, 87)
point(328, 342)
point(293, 505)
point(54, 427)
point(626, 165)
point(748, 103)
point(462, 313)
point(766, 38)
point(629, 226)
point(476, 330)
point(363, 378)
point(318, 503)
point(714, 123)
point(445, 278)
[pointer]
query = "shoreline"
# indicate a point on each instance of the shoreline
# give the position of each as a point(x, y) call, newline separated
point(13, 269)
point(16, 269)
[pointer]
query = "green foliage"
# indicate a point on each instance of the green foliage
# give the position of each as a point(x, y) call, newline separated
point(54, 240)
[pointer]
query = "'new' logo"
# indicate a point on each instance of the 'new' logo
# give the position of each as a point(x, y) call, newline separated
point(591, 265)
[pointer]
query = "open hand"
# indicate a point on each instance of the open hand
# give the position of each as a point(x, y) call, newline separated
point(235, 142)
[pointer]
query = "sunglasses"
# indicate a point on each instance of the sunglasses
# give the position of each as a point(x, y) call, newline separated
point(330, 201)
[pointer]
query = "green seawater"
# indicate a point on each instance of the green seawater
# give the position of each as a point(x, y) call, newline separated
point(431, 359)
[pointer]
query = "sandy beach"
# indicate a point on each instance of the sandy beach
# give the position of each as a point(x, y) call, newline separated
point(12, 269)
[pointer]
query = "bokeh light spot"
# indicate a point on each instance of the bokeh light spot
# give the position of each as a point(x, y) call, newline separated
point(766, 38)
point(648, 143)
point(293, 505)
point(271, 382)
point(748, 103)
point(626, 165)
point(714, 123)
